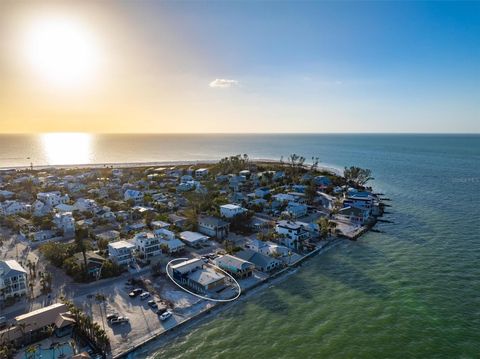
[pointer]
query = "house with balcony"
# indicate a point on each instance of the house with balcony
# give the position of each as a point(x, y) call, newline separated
point(213, 226)
point(121, 252)
point(235, 266)
point(291, 234)
point(65, 223)
point(13, 279)
point(147, 244)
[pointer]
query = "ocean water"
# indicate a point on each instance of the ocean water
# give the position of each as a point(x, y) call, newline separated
point(411, 291)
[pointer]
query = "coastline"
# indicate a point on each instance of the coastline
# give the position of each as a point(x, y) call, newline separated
point(156, 342)
point(332, 169)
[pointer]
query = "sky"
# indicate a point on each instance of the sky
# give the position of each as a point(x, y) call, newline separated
point(239, 67)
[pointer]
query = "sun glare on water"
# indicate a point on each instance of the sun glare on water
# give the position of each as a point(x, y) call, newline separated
point(61, 51)
point(67, 148)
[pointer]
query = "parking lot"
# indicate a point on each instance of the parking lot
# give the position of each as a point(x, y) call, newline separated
point(143, 321)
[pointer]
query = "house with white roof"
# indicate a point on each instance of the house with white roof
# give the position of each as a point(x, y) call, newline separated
point(201, 172)
point(193, 274)
point(121, 252)
point(231, 210)
point(13, 279)
point(193, 239)
point(147, 244)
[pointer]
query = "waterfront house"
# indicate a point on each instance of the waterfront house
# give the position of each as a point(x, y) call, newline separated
point(261, 261)
point(204, 280)
point(193, 239)
point(186, 267)
point(121, 252)
point(147, 244)
point(13, 279)
point(231, 210)
point(192, 274)
point(360, 200)
point(354, 215)
point(213, 226)
point(235, 266)
point(268, 248)
point(291, 234)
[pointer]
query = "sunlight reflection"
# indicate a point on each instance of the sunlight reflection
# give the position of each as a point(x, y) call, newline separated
point(67, 148)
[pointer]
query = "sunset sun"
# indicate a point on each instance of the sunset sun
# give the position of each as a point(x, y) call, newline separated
point(61, 51)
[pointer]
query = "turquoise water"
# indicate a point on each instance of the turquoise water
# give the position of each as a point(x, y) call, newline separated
point(412, 291)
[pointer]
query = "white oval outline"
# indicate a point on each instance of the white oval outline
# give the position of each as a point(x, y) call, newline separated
point(201, 296)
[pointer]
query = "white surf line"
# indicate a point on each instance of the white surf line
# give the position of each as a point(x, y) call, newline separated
point(198, 295)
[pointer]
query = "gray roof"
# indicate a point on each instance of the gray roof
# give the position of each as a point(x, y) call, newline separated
point(232, 262)
point(259, 259)
point(205, 277)
point(212, 221)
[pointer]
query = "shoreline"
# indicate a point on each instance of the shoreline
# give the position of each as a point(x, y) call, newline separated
point(157, 341)
point(329, 168)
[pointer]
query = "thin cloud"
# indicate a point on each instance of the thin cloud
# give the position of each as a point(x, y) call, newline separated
point(223, 83)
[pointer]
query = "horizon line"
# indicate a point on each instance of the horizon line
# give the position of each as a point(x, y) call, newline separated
point(241, 133)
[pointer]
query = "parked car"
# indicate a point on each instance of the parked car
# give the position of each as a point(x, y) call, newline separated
point(144, 295)
point(119, 320)
point(152, 304)
point(165, 315)
point(160, 311)
point(136, 292)
point(112, 316)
